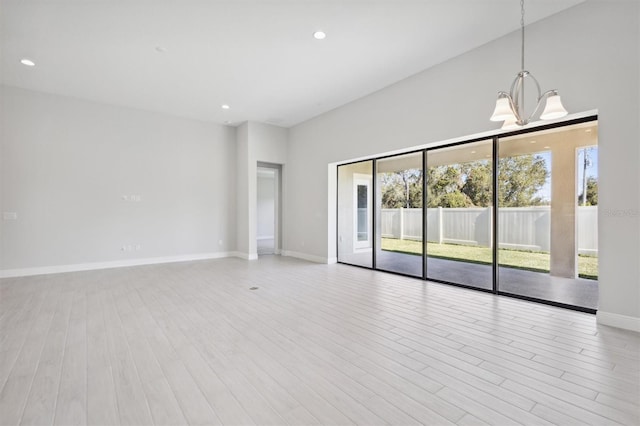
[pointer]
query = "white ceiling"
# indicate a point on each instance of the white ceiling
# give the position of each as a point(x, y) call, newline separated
point(258, 56)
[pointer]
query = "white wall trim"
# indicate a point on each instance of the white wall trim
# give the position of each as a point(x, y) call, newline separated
point(245, 256)
point(305, 256)
point(617, 320)
point(56, 269)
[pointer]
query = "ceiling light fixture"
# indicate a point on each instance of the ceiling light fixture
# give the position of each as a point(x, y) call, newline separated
point(225, 106)
point(510, 106)
point(27, 62)
point(319, 35)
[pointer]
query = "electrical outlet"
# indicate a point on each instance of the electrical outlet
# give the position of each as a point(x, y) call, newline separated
point(138, 247)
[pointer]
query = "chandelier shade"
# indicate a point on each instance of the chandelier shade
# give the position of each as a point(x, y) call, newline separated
point(503, 110)
point(509, 123)
point(554, 108)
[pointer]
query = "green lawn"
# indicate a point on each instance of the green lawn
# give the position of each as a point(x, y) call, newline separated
point(533, 261)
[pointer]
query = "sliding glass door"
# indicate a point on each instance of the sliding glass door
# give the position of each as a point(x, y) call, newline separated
point(399, 182)
point(459, 214)
point(514, 215)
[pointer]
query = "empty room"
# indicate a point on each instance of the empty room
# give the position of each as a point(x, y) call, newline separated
point(320, 212)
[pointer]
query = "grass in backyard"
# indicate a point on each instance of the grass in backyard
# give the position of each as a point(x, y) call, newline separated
point(532, 261)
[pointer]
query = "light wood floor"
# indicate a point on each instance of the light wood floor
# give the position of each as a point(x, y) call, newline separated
point(314, 344)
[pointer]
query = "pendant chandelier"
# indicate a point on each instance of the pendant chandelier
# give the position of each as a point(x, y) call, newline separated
point(510, 106)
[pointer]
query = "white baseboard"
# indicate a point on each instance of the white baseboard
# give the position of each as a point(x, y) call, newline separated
point(305, 256)
point(619, 321)
point(245, 256)
point(24, 272)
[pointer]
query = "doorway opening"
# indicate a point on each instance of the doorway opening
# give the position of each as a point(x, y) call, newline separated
point(268, 208)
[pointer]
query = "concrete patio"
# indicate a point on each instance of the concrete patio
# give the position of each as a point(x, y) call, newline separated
point(575, 292)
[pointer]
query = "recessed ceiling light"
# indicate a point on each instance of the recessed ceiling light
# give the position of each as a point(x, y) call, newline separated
point(160, 49)
point(588, 130)
point(473, 152)
point(27, 62)
point(225, 106)
point(532, 141)
point(319, 35)
point(547, 147)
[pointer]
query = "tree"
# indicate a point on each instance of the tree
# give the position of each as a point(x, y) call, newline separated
point(401, 189)
point(469, 184)
point(443, 187)
point(519, 179)
point(477, 185)
point(592, 192)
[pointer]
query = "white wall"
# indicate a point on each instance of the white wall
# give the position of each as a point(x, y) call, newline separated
point(243, 182)
point(590, 53)
point(65, 165)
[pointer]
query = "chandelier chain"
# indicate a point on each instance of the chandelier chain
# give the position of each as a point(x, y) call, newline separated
point(522, 30)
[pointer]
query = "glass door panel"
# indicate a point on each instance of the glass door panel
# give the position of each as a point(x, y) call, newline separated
point(355, 214)
point(399, 219)
point(547, 234)
point(459, 214)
